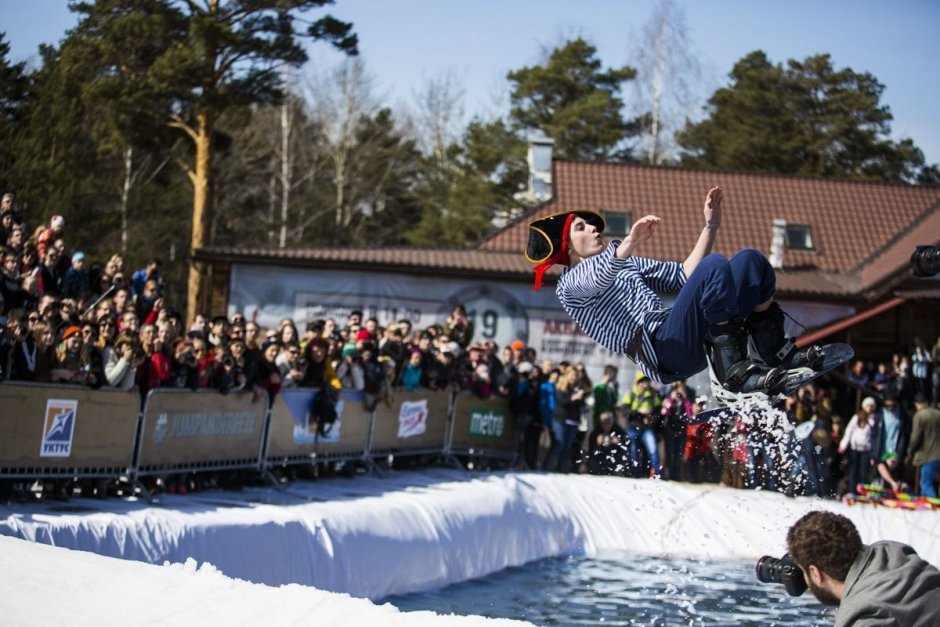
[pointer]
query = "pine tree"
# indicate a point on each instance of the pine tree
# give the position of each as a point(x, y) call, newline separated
point(576, 103)
point(14, 96)
point(473, 185)
point(189, 62)
point(55, 167)
point(806, 119)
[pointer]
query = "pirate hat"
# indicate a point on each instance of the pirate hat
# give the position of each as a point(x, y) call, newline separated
point(548, 239)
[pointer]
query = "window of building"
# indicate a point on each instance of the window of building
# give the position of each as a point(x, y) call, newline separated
point(618, 223)
point(799, 237)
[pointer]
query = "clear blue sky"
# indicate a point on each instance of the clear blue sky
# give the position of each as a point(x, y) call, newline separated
point(405, 42)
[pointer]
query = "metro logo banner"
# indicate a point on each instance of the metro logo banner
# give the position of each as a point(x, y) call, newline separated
point(485, 422)
point(58, 428)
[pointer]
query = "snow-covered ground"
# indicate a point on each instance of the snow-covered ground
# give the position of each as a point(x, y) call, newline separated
point(372, 537)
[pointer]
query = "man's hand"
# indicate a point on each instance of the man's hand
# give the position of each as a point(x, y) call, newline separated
point(713, 206)
point(643, 229)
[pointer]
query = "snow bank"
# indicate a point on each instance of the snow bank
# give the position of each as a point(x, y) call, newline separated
point(45, 585)
point(373, 537)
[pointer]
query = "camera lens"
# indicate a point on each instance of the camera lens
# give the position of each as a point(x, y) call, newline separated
point(783, 571)
point(926, 261)
point(765, 569)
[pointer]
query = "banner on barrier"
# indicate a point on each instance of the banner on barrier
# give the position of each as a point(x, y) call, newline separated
point(203, 424)
point(58, 428)
point(412, 421)
point(51, 429)
point(332, 433)
point(412, 418)
point(487, 422)
point(483, 424)
point(185, 427)
point(298, 402)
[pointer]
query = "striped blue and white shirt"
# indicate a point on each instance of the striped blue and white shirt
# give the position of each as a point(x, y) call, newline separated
point(611, 299)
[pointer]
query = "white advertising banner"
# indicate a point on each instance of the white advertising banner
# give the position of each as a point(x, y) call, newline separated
point(413, 418)
point(502, 311)
point(58, 428)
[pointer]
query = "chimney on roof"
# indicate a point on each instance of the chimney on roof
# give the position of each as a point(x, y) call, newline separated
point(777, 242)
point(540, 168)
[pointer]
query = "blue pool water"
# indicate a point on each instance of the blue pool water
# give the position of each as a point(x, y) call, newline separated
point(622, 589)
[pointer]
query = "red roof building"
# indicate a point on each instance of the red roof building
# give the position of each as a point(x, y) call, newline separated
point(838, 242)
point(861, 234)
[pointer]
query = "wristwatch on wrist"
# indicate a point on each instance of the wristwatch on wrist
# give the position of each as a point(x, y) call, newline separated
point(712, 224)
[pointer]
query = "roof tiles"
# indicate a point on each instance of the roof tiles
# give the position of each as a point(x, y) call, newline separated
point(852, 222)
point(863, 232)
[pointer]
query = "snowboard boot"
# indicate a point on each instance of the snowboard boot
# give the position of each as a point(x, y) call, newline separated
point(776, 349)
point(733, 374)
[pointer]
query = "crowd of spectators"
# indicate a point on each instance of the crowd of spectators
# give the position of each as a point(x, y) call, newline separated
point(879, 432)
point(67, 319)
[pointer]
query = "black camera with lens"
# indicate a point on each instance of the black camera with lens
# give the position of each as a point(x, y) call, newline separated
point(139, 352)
point(784, 571)
point(926, 261)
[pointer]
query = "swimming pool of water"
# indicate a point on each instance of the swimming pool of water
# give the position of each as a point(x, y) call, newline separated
point(623, 589)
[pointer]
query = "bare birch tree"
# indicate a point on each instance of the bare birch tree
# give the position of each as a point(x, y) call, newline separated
point(339, 101)
point(437, 116)
point(269, 171)
point(668, 82)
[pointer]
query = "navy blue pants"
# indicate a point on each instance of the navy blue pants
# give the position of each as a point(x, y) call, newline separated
point(719, 289)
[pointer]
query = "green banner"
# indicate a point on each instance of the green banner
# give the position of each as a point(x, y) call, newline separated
point(487, 422)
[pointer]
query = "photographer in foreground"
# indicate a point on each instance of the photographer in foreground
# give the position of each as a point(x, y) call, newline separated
point(884, 583)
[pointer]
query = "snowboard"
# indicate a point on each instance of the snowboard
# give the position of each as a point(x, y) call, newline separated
point(886, 497)
point(834, 355)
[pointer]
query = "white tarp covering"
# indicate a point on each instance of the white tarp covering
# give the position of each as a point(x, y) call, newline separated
point(374, 537)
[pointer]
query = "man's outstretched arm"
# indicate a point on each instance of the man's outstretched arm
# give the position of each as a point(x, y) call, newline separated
point(707, 239)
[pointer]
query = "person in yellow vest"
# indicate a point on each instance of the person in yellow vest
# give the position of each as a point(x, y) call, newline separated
point(641, 406)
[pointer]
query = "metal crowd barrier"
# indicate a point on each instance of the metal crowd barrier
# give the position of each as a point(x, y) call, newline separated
point(293, 437)
point(482, 428)
point(58, 430)
point(413, 423)
point(187, 431)
point(66, 430)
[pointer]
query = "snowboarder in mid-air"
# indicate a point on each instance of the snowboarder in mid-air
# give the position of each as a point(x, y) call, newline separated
point(721, 304)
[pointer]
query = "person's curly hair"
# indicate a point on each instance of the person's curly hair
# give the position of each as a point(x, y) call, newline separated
point(826, 540)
